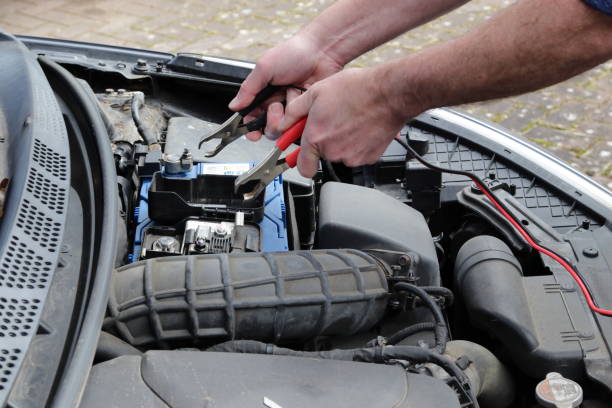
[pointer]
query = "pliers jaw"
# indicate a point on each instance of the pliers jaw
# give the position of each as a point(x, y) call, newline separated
point(228, 131)
point(263, 172)
point(233, 128)
point(256, 191)
point(272, 165)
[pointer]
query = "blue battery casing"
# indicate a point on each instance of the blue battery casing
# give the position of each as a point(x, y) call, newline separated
point(273, 226)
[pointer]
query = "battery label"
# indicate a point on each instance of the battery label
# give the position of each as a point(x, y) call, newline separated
point(225, 169)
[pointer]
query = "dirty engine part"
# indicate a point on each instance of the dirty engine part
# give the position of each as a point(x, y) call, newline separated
point(262, 296)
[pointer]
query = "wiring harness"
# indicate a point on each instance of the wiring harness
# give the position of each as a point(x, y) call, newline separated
point(516, 224)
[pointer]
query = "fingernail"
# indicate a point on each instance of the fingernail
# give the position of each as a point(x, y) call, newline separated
point(276, 109)
point(253, 136)
point(272, 134)
point(232, 105)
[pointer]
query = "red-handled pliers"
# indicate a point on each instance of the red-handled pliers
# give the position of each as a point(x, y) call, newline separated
point(233, 128)
point(271, 166)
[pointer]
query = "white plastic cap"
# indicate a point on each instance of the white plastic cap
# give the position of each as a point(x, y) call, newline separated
point(558, 392)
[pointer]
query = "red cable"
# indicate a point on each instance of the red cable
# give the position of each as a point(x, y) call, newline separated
point(560, 260)
point(520, 229)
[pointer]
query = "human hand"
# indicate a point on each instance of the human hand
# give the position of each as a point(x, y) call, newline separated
point(352, 117)
point(298, 61)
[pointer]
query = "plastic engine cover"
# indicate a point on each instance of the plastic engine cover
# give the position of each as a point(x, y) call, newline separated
point(357, 217)
point(182, 379)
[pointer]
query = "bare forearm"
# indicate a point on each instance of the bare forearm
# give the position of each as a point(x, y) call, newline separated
point(349, 28)
point(530, 45)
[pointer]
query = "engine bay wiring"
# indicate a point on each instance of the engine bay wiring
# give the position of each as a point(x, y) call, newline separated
point(507, 215)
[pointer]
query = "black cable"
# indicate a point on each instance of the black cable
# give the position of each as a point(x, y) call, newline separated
point(587, 292)
point(409, 331)
point(470, 175)
point(404, 333)
point(441, 291)
point(330, 169)
point(137, 103)
point(377, 354)
point(440, 329)
point(425, 163)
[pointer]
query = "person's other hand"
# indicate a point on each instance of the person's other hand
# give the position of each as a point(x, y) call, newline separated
point(352, 118)
point(298, 61)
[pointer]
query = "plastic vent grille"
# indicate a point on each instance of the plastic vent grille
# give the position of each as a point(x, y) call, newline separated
point(53, 162)
point(38, 226)
point(49, 193)
point(16, 316)
point(8, 360)
point(32, 228)
point(550, 205)
point(23, 268)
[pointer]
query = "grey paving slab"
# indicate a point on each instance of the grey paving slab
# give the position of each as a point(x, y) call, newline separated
point(573, 120)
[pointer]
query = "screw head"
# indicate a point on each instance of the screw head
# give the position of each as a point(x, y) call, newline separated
point(404, 260)
point(141, 65)
point(394, 304)
point(220, 230)
point(166, 244)
point(590, 252)
point(200, 242)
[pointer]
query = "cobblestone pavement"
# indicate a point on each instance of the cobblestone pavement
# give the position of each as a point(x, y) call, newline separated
point(573, 119)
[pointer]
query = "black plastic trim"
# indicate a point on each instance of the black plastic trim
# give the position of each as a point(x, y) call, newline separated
point(102, 213)
point(32, 227)
point(541, 169)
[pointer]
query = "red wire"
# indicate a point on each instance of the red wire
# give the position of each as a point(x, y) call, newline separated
point(561, 261)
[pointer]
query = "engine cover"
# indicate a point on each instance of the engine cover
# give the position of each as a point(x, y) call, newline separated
point(357, 217)
point(205, 379)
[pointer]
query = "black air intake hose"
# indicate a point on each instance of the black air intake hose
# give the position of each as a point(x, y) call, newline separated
point(491, 381)
point(532, 316)
point(489, 278)
point(277, 296)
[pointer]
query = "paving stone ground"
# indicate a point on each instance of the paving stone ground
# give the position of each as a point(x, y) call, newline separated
point(573, 120)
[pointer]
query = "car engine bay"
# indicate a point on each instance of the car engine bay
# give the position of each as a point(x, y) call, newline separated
point(332, 269)
point(421, 280)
